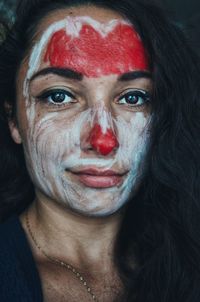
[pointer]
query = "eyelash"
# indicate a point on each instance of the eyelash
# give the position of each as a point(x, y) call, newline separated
point(52, 93)
point(139, 96)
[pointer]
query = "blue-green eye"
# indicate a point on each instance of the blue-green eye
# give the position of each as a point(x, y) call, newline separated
point(135, 98)
point(57, 97)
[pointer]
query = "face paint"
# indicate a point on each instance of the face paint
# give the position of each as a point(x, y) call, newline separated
point(103, 143)
point(102, 136)
point(89, 47)
point(49, 165)
point(53, 143)
point(97, 50)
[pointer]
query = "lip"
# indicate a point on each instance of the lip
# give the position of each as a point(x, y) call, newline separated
point(95, 178)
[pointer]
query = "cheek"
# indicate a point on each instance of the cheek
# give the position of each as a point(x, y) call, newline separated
point(48, 139)
point(52, 138)
point(133, 140)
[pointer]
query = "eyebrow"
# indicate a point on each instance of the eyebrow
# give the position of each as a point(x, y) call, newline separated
point(74, 75)
point(133, 75)
point(63, 72)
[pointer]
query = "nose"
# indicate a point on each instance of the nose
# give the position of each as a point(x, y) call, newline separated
point(104, 142)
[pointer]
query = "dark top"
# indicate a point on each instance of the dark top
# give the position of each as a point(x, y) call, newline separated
point(19, 278)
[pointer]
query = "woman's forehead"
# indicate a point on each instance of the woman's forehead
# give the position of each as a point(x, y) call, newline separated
point(92, 46)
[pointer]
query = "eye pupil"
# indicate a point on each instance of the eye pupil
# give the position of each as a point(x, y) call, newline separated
point(58, 97)
point(132, 99)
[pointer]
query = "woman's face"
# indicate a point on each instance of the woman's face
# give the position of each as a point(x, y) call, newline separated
point(83, 112)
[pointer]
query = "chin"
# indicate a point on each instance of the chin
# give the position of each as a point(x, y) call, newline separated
point(98, 213)
point(98, 209)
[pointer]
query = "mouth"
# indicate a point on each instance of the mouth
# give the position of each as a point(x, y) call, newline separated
point(95, 178)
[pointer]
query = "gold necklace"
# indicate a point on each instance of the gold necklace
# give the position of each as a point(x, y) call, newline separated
point(60, 263)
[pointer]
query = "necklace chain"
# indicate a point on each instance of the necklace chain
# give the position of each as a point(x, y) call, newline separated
point(56, 261)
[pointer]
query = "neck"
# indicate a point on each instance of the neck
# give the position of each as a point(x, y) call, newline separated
point(79, 240)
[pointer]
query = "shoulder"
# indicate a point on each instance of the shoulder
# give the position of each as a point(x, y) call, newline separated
point(11, 236)
point(9, 230)
point(9, 263)
point(17, 268)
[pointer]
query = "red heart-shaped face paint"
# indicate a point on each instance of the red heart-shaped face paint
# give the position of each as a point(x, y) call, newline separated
point(94, 54)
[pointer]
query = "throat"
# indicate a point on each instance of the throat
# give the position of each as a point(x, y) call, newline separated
point(69, 265)
point(70, 238)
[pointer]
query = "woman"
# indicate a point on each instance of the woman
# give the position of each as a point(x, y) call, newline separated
point(100, 155)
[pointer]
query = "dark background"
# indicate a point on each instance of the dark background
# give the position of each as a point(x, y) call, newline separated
point(185, 12)
point(181, 10)
point(6, 9)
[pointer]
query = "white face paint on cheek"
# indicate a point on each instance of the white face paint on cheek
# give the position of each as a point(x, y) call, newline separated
point(53, 148)
point(134, 138)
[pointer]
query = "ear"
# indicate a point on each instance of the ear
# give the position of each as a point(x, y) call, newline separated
point(14, 131)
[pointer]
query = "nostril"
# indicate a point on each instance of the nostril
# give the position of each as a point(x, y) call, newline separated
point(103, 142)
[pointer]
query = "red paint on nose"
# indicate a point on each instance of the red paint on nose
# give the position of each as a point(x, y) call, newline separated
point(103, 143)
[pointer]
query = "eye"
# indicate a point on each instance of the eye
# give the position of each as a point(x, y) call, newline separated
point(57, 97)
point(135, 98)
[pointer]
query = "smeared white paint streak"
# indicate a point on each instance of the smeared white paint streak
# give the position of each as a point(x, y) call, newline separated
point(73, 161)
point(105, 119)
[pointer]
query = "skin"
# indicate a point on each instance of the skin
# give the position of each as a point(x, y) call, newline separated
point(74, 221)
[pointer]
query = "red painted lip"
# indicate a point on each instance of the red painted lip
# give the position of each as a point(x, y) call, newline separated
point(95, 178)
